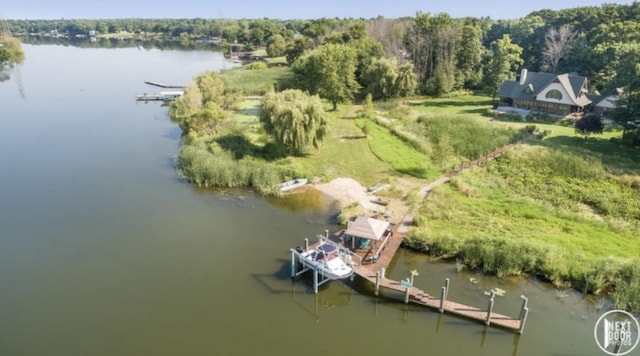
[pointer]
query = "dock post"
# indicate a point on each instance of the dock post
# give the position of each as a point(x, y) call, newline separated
point(447, 281)
point(293, 264)
point(326, 234)
point(443, 296)
point(406, 295)
point(382, 273)
point(377, 282)
point(306, 244)
point(523, 314)
point(315, 280)
point(490, 309)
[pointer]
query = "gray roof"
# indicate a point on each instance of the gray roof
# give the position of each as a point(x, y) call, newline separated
point(537, 82)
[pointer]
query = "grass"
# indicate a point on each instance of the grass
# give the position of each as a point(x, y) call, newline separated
point(564, 207)
point(345, 153)
point(398, 153)
point(258, 81)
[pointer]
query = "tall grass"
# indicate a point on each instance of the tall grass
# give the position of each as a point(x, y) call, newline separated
point(200, 166)
point(543, 211)
point(469, 138)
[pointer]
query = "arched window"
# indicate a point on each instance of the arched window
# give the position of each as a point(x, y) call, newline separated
point(554, 94)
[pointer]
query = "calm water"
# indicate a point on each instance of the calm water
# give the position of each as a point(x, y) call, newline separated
point(104, 252)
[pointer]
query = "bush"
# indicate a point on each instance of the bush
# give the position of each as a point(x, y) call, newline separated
point(204, 168)
point(255, 66)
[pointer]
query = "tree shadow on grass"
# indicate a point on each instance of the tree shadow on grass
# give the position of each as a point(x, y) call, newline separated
point(417, 172)
point(452, 102)
point(482, 111)
point(240, 147)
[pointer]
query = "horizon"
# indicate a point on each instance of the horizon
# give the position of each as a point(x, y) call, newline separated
point(282, 10)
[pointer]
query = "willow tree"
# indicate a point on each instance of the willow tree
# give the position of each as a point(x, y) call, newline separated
point(380, 78)
point(294, 120)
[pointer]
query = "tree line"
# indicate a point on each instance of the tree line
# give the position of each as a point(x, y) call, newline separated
point(445, 54)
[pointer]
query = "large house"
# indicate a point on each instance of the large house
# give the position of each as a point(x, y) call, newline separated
point(559, 94)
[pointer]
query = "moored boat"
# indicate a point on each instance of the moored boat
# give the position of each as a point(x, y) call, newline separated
point(293, 184)
point(330, 259)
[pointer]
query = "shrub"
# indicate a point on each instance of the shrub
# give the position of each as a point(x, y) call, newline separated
point(255, 66)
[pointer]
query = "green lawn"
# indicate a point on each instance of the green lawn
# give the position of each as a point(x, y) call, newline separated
point(564, 207)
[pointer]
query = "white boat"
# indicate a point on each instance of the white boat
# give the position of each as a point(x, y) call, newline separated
point(330, 259)
point(293, 184)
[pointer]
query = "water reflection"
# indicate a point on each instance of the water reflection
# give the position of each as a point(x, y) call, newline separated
point(303, 199)
point(335, 295)
point(140, 43)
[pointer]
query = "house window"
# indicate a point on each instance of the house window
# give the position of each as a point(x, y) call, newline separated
point(554, 94)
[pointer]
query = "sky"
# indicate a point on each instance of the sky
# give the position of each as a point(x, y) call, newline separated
point(283, 9)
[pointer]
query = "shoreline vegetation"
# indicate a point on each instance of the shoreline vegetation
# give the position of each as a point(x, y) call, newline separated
point(556, 206)
point(378, 102)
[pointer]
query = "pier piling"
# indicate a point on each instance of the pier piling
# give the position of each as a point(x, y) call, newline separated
point(490, 308)
point(524, 312)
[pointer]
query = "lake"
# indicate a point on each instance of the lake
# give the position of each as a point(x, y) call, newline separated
point(104, 251)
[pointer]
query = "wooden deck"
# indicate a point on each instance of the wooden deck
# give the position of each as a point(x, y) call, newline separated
point(373, 262)
point(374, 273)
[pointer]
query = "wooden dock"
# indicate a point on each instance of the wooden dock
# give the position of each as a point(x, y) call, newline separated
point(375, 273)
point(161, 96)
point(372, 263)
point(162, 85)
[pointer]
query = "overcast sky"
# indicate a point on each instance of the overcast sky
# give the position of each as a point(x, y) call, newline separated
point(284, 9)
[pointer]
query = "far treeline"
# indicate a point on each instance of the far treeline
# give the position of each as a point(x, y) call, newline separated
point(448, 54)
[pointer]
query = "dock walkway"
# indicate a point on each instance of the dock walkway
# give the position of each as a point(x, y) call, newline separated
point(162, 85)
point(375, 273)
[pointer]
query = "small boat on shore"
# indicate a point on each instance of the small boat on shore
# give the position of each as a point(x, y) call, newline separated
point(293, 184)
point(330, 259)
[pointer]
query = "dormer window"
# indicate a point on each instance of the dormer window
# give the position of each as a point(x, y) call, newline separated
point(529, 89)
point(554, 94)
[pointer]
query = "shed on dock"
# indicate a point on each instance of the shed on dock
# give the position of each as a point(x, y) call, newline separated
point(367, 229)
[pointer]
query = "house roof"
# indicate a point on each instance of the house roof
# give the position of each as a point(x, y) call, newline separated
point(368, 228)
point(536, 82)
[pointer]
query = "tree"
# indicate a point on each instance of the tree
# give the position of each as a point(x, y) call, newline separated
point(589, 124)
point(294, 120)
point(297, 48)
point(380, 78)
point(557, 42)
point(406, 81)
point(10, 51)
point(469, 53)
point(276, 46)
point(626, 74)
point(329, 72)
point(204, 105)
point(432, 41)
point(506, 57)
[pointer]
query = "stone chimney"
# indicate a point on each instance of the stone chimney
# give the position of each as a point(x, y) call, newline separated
point(523, 76)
